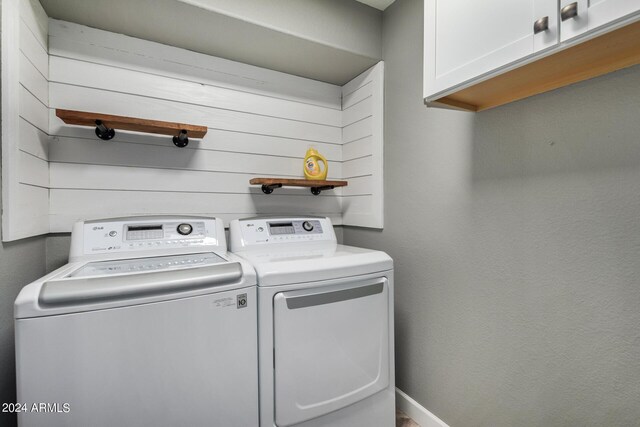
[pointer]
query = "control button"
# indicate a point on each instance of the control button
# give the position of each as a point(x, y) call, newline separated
point(260, 229)
point(185, 229)
point(307, 226)
point(113, 233)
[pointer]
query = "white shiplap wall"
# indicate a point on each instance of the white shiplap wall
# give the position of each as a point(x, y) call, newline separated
point(25, 119)
point(260, 124)
point(362, 148)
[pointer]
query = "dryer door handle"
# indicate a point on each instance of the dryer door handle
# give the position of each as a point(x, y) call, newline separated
point(302, 299)
point(101, 289)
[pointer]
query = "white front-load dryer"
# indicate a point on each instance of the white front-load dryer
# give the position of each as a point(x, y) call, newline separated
point(325, 324)
point(151, 323)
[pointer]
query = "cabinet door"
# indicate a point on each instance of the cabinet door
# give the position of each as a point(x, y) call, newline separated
point(465, 39)
point(579, 16)
point(602, 12)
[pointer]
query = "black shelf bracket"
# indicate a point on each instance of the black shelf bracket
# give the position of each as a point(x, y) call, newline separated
point(181, 139)
point(268, 189)
point(104, 132)
point(316, 190)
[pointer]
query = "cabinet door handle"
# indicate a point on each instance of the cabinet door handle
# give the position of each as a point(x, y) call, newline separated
point(541, 25)
point(569, 11)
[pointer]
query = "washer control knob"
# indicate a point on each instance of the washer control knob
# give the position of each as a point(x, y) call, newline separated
point(307, 226)
point(185, 229)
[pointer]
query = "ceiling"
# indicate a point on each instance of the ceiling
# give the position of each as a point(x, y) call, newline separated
point(378, 4)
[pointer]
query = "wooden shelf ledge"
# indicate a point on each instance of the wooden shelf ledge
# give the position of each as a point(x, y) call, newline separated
point(269, 184)
point(84, 118)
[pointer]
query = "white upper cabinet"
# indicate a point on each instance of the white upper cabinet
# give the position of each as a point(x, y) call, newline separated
point(464, 39)
point(468, 42)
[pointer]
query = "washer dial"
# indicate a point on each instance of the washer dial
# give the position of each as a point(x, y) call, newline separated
point(185, 229)
point(307, 226)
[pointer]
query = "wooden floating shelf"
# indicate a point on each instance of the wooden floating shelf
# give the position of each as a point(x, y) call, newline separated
point(269, 184)
point(107, 123)
point(603, 54)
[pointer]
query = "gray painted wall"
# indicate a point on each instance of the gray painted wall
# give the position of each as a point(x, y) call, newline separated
point(516, 241)
point(20, 263)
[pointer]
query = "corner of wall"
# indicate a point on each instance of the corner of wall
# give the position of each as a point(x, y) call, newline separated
point(362, 149)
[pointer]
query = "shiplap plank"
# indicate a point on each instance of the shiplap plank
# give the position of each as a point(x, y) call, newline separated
point(348, 100)
point(32, 170)
point(81, 42)
point(32, 110)
point(33, 50)
point(361, 80)
point(108, 203)
point(268, 145)
point(33, 80)
point(358, 148)
point(93, 151)
point(357, 204)
point(35, 17)
point(361, 211)
point(33, 140)
point(99, 177)
point(357, 130)
point(62, 223)
point(102, 101)
point(100, 76)
point(362, 219)
point(377, 152)
point(358, 186)
point(24, 63)
point(10, 80)
point(357, 112)
point(30, 209)
point(215, 139)
point(358, 167)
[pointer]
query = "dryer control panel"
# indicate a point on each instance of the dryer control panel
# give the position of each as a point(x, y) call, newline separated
point(159, 234)
point(264, 231)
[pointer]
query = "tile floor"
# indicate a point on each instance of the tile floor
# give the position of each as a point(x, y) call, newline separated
point(403, 420)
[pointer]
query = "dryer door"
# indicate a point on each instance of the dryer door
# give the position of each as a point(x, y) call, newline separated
point(331, 348)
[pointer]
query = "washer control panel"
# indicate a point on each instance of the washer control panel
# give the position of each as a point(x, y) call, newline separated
point(154, 233)
point(264, 231)
point(137, 265)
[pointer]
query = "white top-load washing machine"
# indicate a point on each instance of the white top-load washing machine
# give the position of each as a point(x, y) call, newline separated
point(152, 323)
point(325, 324)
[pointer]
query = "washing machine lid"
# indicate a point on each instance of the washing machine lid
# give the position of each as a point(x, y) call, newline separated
point(79, 286)
point(289, 264)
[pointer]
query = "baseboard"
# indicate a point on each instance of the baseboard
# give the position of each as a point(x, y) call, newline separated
point(416, 411)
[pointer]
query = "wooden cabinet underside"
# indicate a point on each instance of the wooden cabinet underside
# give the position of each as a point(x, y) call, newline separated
point(609, 52)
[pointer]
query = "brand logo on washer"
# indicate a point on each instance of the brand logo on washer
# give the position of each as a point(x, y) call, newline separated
point(242, 301)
